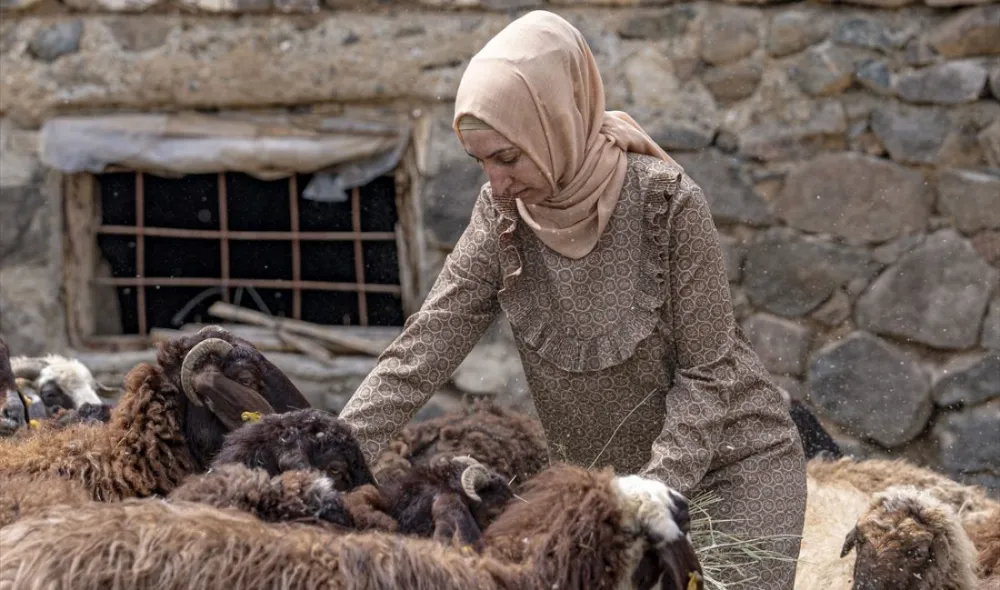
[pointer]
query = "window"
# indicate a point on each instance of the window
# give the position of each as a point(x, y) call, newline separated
point(163, 250)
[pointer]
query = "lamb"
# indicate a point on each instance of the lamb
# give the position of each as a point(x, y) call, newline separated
point(300, 439)
point(908, 539)
point(157, 435)
point(577, 529)
point(510, 443)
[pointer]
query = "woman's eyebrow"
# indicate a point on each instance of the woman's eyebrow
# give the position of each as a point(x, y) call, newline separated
point(495, 152)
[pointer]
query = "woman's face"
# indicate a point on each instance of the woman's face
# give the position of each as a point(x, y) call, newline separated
point(512, 174)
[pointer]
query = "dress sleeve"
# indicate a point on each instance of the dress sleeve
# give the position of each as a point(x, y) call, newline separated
point(708, 367)
point(435, 340)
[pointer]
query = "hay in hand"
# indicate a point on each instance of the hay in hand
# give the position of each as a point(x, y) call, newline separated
point(724, 556)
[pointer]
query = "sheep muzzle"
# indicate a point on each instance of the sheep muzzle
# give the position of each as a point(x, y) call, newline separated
point(681, 568)
point(227, 399)
point(13, 414)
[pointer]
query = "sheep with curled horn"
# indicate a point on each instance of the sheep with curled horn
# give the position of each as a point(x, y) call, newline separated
point(167, 425)
point(576, 530)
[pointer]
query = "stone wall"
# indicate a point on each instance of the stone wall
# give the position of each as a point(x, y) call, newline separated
point(850, 151)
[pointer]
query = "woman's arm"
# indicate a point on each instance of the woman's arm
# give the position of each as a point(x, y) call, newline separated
point(710, 361)
point(460, 306)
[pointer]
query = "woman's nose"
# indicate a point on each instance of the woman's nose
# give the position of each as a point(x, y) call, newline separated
point(499, 181)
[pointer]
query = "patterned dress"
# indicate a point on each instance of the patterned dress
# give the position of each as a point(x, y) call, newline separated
point(632, 354)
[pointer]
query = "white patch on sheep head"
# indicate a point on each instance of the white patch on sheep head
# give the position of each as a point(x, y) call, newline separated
point(72, 377)
point(652, 506)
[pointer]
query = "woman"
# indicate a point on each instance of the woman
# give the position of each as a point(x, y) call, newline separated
point(603, 255)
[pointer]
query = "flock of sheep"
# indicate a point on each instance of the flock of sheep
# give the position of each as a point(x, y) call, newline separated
point(212, 471)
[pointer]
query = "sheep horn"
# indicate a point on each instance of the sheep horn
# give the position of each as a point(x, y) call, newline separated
point(105, 390)
point(193, 360)
point(29, 368)
point(472, 478)
point(214, 331)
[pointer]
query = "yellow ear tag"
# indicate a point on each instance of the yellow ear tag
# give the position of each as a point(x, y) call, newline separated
point(33, 423)
point(250, 416)
point(693, 579)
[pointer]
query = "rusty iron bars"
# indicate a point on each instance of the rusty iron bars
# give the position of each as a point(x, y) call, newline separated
point(140, 282)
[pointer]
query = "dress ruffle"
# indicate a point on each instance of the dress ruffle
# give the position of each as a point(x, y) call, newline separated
point(535, 326)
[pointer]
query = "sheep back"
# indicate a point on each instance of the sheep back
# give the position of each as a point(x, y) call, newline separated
point(510, 443)
point(139, 452)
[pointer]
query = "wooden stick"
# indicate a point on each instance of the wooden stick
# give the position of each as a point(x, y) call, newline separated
point(264, 341)
point(298, 327)
point(306, 346)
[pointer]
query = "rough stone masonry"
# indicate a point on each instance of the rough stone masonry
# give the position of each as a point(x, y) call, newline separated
point(850, 151)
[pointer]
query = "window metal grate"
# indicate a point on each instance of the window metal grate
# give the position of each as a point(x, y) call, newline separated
point(227, 239)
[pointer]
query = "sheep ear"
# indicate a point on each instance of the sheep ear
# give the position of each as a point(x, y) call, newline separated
point(850, 542)
point(227, 399)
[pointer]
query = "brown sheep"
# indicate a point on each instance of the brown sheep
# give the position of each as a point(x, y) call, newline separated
point(875, 475)
point(510, 443)
point(577, 530)
point(910, 540)
point(156, 435)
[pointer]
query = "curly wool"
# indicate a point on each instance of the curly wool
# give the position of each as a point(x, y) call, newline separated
point(510, 443)
point(575, 515)
point(141, 452)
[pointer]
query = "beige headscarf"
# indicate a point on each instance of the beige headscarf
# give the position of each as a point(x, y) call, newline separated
point(537, 84)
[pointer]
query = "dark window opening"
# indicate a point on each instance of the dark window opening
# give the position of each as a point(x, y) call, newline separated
point(175, 246)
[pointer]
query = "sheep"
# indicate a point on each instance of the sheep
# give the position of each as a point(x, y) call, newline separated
point(452, 499)
point(61, 382)
point(510, 443)
point(577, 529)
point(300, 439)
point(908, 539)
point(876, 475)
point(157, 435)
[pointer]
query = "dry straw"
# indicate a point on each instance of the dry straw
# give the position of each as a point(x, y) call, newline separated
point(724, 556)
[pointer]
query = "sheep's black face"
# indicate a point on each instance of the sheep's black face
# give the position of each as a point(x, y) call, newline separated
point(302, 439)
point(55, 398)
point(241, 365)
